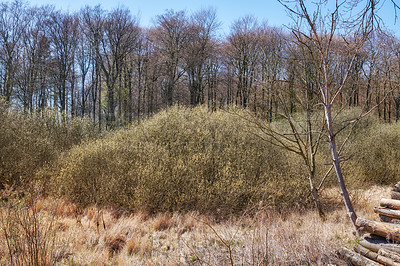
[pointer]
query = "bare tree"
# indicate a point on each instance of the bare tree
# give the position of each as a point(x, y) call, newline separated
point(272, 60)
point(62, 29)
point(213, 75)
point(170, 39)
point(113, 38)
point(32, 72)
point(297, 86)
point(201, 31)
point(243, 55)
point(120, 35)
point(92, 25)
point(152, 69)
point(316, 33)
point(84, 60)
point(13, 20)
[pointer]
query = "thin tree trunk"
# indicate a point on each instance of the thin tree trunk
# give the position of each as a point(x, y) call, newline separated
point(336, 164)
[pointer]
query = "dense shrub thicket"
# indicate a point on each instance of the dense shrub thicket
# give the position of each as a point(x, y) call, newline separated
point(181, 159)
point(27, 142)
point(375, 154)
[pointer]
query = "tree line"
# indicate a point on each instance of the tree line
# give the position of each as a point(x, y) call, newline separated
point(102, 64)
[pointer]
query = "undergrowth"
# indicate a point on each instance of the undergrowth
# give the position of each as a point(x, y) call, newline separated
point(30, 141)
point(182, 159)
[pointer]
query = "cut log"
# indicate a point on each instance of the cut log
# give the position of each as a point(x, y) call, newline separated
point(395, 195)
point(389, 254)
point(388, 230)
point(390, 204)
point(375, 256)
point(354, 258)
point(388, 212)
point(377, 244)
point(388, 219)
point(397, 187)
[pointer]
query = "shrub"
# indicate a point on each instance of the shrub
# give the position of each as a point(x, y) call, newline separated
point(29, 141)
point(376, 154)
point(29, 238)
point(181, 159)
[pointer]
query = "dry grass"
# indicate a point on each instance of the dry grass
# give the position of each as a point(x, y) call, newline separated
point(265, 236)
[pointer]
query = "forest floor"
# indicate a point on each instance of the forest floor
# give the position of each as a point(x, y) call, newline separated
point(65, 234)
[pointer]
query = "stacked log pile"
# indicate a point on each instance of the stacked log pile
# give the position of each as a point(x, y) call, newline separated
point(380, 244)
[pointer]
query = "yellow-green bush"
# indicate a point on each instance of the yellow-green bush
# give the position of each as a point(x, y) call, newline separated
point(181, 159)
point(375, 153)
point(29, 141)
point(184, 159)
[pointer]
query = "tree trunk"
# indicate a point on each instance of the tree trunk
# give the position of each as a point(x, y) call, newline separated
point(83, 98)
point(336, 163)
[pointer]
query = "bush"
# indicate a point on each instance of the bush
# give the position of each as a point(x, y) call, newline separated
point(181, 159)
point(29, 238)
point(29, 141)
point(376, 154)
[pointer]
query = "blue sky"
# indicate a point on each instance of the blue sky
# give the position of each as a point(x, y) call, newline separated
point(227, 10)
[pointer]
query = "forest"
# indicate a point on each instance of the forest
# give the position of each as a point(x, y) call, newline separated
point(102, 64)
point(172, 144)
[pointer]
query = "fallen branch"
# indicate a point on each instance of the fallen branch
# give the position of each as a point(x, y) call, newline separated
point(388, 219)
point(390, 254)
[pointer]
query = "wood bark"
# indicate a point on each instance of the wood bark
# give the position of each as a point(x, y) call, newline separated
point(387, 230)
point(396, 187)
point(395, 195)
point(355, 258)
point(388, 212)
point(390, 254)
point(388, 219)
point(374, 256)
point(377, 244)
point(335, 158)
point(390, 203)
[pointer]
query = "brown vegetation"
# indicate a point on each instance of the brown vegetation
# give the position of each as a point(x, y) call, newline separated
point(260, 236)
point(182, 159)
point(30, 141)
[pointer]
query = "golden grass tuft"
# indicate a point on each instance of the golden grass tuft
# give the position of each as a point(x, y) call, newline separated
point(139, 246)
point(163, 221)
point(66, 208)
point(116, 244)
